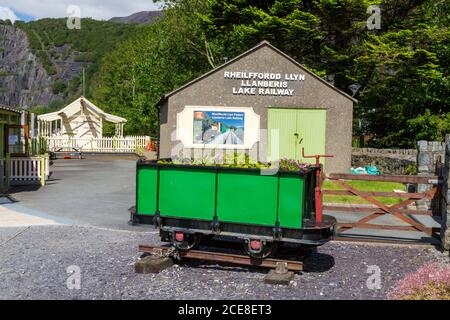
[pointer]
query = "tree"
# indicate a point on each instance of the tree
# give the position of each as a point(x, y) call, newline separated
point(400, 70)
point(164, 56)
point(430, 127)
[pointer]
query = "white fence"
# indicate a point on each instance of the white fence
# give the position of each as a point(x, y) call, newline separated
point(25, 170)
point(105, 144)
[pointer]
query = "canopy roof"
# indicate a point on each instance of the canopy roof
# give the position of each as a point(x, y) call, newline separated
point(10, 109)
point(76, 107)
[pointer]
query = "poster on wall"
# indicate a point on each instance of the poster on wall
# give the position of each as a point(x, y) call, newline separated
point(218, 127)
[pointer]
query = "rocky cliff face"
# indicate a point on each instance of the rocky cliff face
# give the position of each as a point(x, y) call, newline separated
point(23, 80)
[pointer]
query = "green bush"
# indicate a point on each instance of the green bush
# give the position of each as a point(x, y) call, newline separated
point(59, 86)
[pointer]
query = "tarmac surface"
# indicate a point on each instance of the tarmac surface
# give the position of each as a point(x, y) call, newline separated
point(93, 191)
point(78, 223)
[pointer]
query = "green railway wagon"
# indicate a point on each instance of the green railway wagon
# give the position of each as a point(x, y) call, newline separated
point(262, 208)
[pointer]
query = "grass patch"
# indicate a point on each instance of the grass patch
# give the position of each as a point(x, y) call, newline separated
point(375, 186)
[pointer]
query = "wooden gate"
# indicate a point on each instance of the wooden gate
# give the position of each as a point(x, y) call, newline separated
point(378, 208)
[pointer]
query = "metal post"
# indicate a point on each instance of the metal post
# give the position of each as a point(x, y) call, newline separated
point(318, 189)
point(2, 176)
point(7, 170)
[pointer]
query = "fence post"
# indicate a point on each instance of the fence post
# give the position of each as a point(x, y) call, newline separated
point(7, 170)
point(43, 169)
point(3, 176)
point(445, 212)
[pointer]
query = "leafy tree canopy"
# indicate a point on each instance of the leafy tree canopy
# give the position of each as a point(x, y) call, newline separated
point(401, 70)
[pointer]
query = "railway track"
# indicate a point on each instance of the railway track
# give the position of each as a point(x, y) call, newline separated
point(228, 258)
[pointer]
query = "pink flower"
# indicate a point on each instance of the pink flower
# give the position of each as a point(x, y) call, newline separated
point(430, 282)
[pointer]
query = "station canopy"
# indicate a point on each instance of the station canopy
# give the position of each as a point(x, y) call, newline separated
point(77, 107)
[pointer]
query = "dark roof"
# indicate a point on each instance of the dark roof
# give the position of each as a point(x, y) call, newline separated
point(260, 45)
point(3, 107)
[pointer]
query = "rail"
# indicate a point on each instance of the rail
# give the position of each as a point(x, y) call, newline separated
point(225, 258)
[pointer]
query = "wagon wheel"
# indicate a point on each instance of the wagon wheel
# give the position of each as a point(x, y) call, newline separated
point(268, 249)
point(191, 241)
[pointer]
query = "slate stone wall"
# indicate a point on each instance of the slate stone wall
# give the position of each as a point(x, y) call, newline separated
point(388, 161)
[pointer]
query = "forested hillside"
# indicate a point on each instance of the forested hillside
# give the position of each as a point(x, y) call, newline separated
point(64, 52)
point(49, 48)
point(399, 73)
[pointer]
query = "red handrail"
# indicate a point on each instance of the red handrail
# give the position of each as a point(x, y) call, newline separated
point(318, 189)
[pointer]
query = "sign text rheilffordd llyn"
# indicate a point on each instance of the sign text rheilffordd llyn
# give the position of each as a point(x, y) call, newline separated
point(264, 83)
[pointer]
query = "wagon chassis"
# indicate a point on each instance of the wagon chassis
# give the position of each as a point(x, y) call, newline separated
point(262, 238)
point(227, 258)
point(313, 234)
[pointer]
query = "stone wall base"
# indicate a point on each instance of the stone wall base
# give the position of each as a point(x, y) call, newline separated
point(446, 240)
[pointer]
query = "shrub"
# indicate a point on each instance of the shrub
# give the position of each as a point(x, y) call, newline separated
point(238, 160)
point(430, 282)
point(59, 86)
point(293, 165)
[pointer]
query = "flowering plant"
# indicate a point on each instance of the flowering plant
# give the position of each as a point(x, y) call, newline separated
point(293, 165)
point(430, 282)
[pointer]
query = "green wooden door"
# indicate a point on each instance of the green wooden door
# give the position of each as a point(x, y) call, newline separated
point(298, 128)
point(311, 126)
point(285, 122)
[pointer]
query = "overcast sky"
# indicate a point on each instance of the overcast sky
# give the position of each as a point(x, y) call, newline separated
point(97, 9)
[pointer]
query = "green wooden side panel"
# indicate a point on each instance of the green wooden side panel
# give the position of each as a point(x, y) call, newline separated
point(187, 193)
point(311, 125)
point(285, 120)
point(290, 212)
point(242, 197)
point(247, 198)
point(146, 191)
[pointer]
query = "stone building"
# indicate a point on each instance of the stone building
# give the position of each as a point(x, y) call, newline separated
point(262, 103)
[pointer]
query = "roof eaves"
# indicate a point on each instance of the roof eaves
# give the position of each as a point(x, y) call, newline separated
point(261, 44)
point(11, 109)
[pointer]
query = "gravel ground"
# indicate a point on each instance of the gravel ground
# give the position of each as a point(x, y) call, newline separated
point(33, 266)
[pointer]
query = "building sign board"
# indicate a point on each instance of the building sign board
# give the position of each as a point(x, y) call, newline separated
point(218, 127)
point(264, 83)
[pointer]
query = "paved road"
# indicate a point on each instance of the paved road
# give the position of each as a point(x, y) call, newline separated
point(96, 192)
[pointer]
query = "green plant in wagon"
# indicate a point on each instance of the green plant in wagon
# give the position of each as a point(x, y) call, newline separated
point(283, 164)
